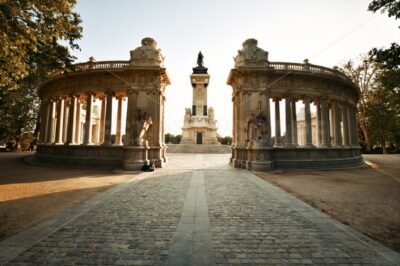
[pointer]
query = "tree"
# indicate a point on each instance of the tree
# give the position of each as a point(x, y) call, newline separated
point(389, 57)
point(29, 34)
point(364, 73)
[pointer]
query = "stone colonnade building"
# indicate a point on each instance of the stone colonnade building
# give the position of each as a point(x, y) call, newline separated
point(255, 81)
point(140, 81)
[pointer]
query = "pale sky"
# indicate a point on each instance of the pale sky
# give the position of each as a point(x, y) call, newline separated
point(326, 32)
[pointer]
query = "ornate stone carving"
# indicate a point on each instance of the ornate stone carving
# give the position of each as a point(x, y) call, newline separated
point(142, 124)
point(251, 55)
point(147, 55)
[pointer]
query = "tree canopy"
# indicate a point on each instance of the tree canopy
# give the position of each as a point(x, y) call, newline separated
point(388, 57)
point(30, 31)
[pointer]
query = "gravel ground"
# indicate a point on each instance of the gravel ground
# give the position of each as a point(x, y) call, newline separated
point(366, 199)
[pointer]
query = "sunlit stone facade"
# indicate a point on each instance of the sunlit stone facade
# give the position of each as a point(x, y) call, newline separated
point(71, 134)
point(255, 82)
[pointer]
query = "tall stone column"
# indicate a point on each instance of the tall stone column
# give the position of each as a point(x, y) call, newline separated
point(307, 116)
point(245, 111)
point(345, 118)
point(294, 123)
point(118, 137)
point(325, 124)
point(78, 121)
point(60, 121)
point(88, 120)
point(319, 127)
point(130, 117)
point(45, 110)
point(102, 119)
point(107, 128)
point(72, 121)
point(278, 141)
point(336, 124)
point(65, 121)
point(265, 96)
point(288, 113)
point(52, 118)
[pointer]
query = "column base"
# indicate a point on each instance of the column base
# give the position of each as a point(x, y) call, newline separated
point(87, 144)
point(278, 145)
point(309, 146)
point(325, 145)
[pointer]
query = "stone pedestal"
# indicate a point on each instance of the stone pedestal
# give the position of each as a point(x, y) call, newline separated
point(135, 157)
point(259, 157)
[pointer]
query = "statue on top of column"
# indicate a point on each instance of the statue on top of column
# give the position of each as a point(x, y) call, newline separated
point(142, 125)
point(200, 59)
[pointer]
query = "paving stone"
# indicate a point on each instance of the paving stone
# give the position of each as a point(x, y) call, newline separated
point(199, 211)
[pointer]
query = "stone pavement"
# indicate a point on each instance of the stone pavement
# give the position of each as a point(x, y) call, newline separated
point(199, 212)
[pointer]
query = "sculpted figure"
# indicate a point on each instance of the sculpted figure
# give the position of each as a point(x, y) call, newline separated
point(250, 126)
point(257, 127)
point(211, 116)
point(200, 59)
point(143, 123)
point(187, 115)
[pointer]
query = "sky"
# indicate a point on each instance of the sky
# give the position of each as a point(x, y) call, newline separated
point(326, 32)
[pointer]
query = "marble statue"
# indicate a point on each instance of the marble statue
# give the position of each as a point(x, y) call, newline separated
point(143, 123)
point(257, 127)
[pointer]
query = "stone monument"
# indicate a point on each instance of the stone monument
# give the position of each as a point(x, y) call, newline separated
point(199, 125)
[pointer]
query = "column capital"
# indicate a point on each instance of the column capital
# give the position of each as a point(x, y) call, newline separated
point(277, 99)
point(109, 92)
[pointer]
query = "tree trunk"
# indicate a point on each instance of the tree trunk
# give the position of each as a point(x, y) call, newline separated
point(365, 132)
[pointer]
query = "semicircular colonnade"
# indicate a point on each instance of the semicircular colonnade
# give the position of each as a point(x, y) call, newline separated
point(77, 119)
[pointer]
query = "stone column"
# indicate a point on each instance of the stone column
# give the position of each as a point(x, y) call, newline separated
point(107, 128)
point(278, 141)
point(45, 111)
point(294, 123)
point(60, 121)
point(102, 119)
point(307, 116)
point(51, 124)
point(118, 137)
point(72, 121)
point(88, 120)
point(265, 96)
point(130, 117)
point(324, 124)
point(336, 125)
point(345, 118)
point(319, 128)
point(78, 121)
point(234, 118)
point(65, 121)
point(288, 113)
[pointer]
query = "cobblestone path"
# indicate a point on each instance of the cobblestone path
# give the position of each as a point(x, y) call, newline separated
point(213, 215)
